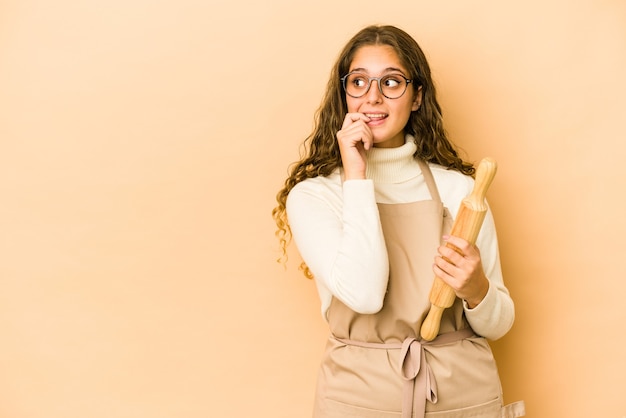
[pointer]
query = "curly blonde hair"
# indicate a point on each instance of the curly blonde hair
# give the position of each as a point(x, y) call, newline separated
point(321, 150)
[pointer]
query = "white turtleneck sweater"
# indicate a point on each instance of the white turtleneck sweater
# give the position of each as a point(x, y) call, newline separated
point(337, 230)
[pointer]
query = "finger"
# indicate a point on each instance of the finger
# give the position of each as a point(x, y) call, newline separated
point(445, 271)
point(460, 244)
point(446, 265)
point(367, 138)
point(350, 118)
point(451, 254)
point(356, 133)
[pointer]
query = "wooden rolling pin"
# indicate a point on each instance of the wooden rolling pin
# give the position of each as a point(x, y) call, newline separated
point(466, 225)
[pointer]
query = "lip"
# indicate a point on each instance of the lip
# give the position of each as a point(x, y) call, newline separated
point(376, 118)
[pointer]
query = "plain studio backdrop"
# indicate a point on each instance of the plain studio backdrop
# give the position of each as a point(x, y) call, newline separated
point(141, 147)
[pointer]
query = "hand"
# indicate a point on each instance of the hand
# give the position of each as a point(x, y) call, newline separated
point(461, 268)
point(354, 138)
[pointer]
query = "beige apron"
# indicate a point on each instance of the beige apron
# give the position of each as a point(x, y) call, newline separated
point(376, 366)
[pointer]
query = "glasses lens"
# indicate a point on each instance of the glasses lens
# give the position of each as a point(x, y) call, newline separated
point(356, 84)
point(393, 85)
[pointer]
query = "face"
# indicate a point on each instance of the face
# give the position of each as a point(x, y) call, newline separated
point(388, 117)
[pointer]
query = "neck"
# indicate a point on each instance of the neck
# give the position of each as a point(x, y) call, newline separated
point(392, 165)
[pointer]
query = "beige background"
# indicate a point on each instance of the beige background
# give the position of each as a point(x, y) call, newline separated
point(142, 144)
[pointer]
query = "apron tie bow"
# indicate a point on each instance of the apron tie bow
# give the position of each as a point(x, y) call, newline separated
point(416, 372)
point(414, 368)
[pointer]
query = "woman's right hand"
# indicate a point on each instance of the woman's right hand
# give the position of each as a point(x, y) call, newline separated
point(354, 138)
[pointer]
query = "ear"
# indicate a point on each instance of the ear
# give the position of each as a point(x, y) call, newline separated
point(417, 100)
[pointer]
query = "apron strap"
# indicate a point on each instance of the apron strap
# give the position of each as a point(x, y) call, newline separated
point(415, 369)
point(429, 179)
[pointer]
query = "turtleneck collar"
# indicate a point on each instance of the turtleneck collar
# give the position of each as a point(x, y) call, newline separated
point(393, 165)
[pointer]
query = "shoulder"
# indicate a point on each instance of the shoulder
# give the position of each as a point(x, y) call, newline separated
point(324, 190)
point(331, 192)
point(318, 185)
point(453, 185)
point(449, 180)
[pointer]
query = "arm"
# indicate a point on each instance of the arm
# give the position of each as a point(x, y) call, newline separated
point(476, 277)
point(339, 236)
point(493, 317)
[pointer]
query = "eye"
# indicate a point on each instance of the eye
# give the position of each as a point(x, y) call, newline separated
point(358, 81)
point(392, 81)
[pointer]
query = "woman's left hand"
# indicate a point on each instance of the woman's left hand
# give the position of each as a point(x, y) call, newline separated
point(462, 270)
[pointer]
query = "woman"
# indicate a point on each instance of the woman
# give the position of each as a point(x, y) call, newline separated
point(368, 207)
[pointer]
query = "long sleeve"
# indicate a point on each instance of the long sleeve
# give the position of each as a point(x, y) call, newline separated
point(494, 316)
point(337, 230)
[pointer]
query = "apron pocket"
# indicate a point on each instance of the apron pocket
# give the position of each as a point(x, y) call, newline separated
point(329, 408)
point(491, 409)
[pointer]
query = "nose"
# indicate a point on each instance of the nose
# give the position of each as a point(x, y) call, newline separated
point(374, 95)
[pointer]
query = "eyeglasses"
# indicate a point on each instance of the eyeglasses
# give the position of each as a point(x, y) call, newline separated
point(392, 86)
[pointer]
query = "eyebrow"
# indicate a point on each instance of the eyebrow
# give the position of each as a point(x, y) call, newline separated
point(386, 70)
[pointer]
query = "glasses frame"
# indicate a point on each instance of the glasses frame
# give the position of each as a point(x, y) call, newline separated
point(369, 84)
